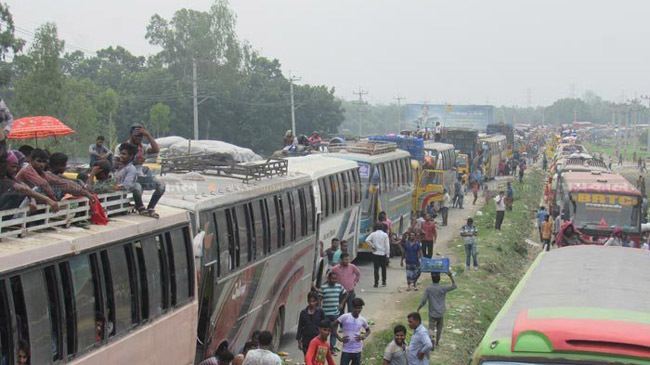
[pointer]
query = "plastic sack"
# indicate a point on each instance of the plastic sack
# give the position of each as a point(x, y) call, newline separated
point(97, 213)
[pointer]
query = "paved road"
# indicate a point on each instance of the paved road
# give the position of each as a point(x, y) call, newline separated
point(383, 303)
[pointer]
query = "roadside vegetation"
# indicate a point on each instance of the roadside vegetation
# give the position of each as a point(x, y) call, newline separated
point(503, 257)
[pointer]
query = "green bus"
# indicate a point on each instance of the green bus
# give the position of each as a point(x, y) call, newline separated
point(575, 305)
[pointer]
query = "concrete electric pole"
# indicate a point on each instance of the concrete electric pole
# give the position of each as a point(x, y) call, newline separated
point(195, 101)
point(360, 103)
point(293, 109)
point(399, 113)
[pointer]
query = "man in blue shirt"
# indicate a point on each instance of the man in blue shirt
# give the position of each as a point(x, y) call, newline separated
point(421, 345)
point(541, 215)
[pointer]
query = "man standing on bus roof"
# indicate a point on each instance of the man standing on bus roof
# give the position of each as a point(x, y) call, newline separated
point(349, 276)
point(430, 236)
point(333, 299)
point(380, 244)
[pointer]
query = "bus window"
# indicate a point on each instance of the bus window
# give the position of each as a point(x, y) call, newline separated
point(341, 191)
point(394, 170)
point(345, 184)
point(116, 266)
point(249, 247)
point(108, 290)
point(260, 229)
point(54, 306)
point(334, 194)
point(311, 212)
point(5, 324)
point(233, 237)
point(356, 186)
point(86, 302)
point(286, 218)
point(151, 265)
point(328, 197)
point(279, 211)
point(323, 200)
point(273, 224)
point(211, 249)
point(225, 261)
point(291, 204)
point(31, 293)
point(178, 247)
point(299, 206)
point(243, 236)
point(383, 177)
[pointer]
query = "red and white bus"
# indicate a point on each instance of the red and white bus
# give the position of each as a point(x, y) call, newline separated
point(597, 202)
point(257, 243)
point(123, 293)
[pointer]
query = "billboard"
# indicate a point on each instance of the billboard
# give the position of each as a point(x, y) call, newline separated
point(469, 116)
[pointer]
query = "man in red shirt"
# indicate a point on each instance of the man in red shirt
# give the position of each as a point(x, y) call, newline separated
point(430, 236)
point(319, 350)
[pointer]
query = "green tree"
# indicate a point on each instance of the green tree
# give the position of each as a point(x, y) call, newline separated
point(107, 105)
point(8, 39)
point(40, 84)
point(159, 117)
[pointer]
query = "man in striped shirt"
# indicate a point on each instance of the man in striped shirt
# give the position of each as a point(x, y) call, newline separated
point(333, 298)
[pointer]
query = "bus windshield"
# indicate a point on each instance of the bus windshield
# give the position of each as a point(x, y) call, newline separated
point(606, 211)
point(368, 186)
point(461, 160)
point(431, 178)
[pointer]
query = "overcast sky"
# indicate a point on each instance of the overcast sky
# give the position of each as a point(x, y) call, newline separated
point(454, 51)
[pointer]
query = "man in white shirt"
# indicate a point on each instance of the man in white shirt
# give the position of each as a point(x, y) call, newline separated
point(500, 201)
point(446, 203)
point(263, 355)
point(380, 244)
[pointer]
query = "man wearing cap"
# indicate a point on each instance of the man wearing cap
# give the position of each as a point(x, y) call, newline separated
point(145, 178)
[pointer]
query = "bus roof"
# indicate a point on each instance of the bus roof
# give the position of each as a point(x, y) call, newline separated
point(37, 247)
point(371, 159)
point(586, 283)
point(319, 165)
point(438, 146)
point(492, 138)
point(194, 191)
point(598, 181)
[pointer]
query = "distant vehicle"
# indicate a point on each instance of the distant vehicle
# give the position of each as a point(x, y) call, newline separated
point(575, 305)
point(508, 131)
point(564, 165)
point(494, 148)
point(123, 293)
point(465, 141)
point(597, 202)
point(386, 185)
point(438, 172)
point(337, 198)
point(257, 244)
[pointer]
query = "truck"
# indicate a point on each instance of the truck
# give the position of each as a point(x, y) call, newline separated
point(508, 131)
point(466, 142)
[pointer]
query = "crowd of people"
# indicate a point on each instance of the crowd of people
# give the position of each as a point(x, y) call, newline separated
point(29, 176)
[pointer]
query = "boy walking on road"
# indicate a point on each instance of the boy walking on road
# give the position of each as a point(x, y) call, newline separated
point(351, 324)
point(469, 232)
point(319, 351)
point(436, 295)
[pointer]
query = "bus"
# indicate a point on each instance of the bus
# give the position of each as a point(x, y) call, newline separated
point(597, 202)
point(256, 227)
point(575, 305)
point(116, 294)
point(564, 165)
point(337, 197)
point(386, 185)
point(438, 173)
point(494, 148)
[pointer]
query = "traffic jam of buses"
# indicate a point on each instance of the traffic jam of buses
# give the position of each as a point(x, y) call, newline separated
point(222, 272)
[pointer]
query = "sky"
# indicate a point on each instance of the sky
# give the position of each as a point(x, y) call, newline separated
point(500, 52)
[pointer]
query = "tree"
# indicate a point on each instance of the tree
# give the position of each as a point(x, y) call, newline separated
point(8, 39)
point(159, 116)
point(39, 88)
point(107, 104)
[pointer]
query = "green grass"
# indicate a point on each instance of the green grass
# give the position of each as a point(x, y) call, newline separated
point(608, 147)
point(503, 258)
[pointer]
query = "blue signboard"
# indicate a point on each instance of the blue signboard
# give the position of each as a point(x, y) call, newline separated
point(468, 116)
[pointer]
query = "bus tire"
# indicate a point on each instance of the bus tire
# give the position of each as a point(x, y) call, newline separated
point(278, 329)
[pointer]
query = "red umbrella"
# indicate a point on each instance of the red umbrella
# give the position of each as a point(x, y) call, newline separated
point(38, 127)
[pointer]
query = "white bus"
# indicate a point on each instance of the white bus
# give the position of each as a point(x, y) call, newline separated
point(257, 255)
point(337, 197)
point(123, 293)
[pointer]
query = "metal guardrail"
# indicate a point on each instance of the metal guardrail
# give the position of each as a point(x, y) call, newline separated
point(16, 222)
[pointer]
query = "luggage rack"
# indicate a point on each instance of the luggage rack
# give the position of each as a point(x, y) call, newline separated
point(367, 148)
point(214, 164)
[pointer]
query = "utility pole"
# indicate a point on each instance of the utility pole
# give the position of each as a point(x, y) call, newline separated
point(399, 113)
point(360, 103)
point(293, 109)
point(647, 98)
point(195, 101)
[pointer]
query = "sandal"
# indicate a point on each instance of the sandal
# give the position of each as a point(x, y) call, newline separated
point(142, 210)
point(152, 213)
